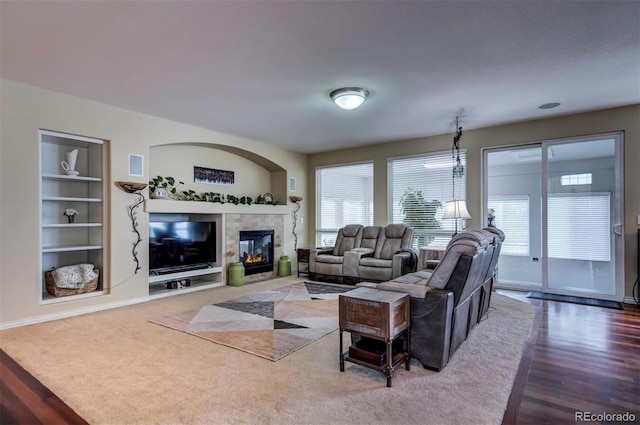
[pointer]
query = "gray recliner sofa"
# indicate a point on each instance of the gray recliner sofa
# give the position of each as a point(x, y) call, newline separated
point(446, 303)
point(371, 253)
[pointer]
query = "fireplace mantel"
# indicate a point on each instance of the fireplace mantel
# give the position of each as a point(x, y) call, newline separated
point(196, 207)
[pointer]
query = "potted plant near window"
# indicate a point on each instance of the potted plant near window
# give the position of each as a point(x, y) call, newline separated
point(420, 213)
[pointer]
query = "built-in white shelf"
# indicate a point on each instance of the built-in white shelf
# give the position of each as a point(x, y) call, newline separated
point(199, 207)
point(70, 248)
point(84, 241)
point(46, 299)
point(71, 225)
point(158, 291)
point(70, 178)
point(182, 275)
point(70, 199)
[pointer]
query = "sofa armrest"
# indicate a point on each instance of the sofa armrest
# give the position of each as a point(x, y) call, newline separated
point(416, 291)
point(400, 264)
point(322, 250)
point(313, 255)
point(365, 252)
point(431, 324)
point(351, 264)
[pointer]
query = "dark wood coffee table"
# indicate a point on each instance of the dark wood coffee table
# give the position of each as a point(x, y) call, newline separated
point(377, 315)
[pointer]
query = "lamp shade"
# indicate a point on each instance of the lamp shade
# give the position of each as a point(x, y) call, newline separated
point(456, 209)
point(349, 97)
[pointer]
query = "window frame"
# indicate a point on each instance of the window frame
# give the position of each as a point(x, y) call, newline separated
point(367, 207)
point(440, 160)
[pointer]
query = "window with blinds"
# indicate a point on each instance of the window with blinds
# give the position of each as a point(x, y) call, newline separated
point(344, 196)
point(579, 226)
point(512, 217)
point(418, 188)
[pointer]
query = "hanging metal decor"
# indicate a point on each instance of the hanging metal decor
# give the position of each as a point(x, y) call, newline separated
point(458, 168)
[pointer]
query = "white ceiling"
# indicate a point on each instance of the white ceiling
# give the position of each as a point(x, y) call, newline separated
point(263, 69)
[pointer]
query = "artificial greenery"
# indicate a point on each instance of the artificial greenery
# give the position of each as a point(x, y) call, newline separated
point(171, 185)
point(168, 183)
point(191, 195)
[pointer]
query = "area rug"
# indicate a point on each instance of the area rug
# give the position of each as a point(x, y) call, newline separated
point(270, 324)
point(575, 300)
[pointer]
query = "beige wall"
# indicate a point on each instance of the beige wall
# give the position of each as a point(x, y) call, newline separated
point(178, 161)
point(626, 119)
point(26, 109)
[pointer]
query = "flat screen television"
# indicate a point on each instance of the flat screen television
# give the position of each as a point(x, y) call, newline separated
point(176, 246)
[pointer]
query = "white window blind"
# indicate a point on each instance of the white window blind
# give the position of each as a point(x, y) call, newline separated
point(344, 196)
point(512, 217)
point(418, 188)
point(579, 226)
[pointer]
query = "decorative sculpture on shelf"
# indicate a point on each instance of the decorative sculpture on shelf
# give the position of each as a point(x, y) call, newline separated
point(296, 200)
point(134, 188)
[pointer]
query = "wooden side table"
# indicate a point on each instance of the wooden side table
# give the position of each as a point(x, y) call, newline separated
point(303, 261)
point(378, 315)
point(430, 256)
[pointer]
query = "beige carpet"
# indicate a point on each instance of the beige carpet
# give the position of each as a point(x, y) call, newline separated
point(115, 367)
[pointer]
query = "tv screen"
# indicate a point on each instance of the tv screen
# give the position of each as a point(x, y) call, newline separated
point(181, 245)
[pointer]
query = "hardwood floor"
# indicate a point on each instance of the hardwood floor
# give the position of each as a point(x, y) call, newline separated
point(576, 359)
point(25, 401)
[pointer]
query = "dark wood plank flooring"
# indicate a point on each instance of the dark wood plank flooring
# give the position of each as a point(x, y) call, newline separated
point(25, 401)
point(576, 359)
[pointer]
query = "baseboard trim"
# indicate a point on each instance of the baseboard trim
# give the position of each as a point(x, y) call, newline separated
point(67, 314)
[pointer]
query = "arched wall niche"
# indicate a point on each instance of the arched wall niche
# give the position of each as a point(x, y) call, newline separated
point(254, 173)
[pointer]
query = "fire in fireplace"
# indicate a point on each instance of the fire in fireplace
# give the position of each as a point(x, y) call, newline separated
point(256, 251)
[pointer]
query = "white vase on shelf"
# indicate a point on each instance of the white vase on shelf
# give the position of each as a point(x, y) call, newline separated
point(69, 164)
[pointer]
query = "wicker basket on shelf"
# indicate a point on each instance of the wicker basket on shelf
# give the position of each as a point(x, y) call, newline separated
point(54, 290)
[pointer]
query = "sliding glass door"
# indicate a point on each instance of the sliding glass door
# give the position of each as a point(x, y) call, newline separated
point(513, 181)
point(560, 206)
point(583, 209)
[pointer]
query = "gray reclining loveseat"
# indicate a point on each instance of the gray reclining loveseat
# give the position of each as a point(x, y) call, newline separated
point(364, 253)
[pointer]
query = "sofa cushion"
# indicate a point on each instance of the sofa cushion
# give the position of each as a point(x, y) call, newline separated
point(375, 262)
point(349, 237)
point(442, 273)
point(332, 259)
point(370, 236)
point(392, 238)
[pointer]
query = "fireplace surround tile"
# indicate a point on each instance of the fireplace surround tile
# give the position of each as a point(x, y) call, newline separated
point(236, 222)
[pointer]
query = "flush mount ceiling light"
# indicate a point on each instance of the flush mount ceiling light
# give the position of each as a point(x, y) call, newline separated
point(349, 97)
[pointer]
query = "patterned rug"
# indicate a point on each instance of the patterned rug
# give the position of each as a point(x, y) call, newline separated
point(269, 324)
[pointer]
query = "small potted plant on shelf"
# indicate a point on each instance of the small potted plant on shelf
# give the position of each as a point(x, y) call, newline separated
point(71, 214)
point(163, 187)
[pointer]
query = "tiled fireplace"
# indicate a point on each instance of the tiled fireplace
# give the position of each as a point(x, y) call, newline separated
point(234, 251)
